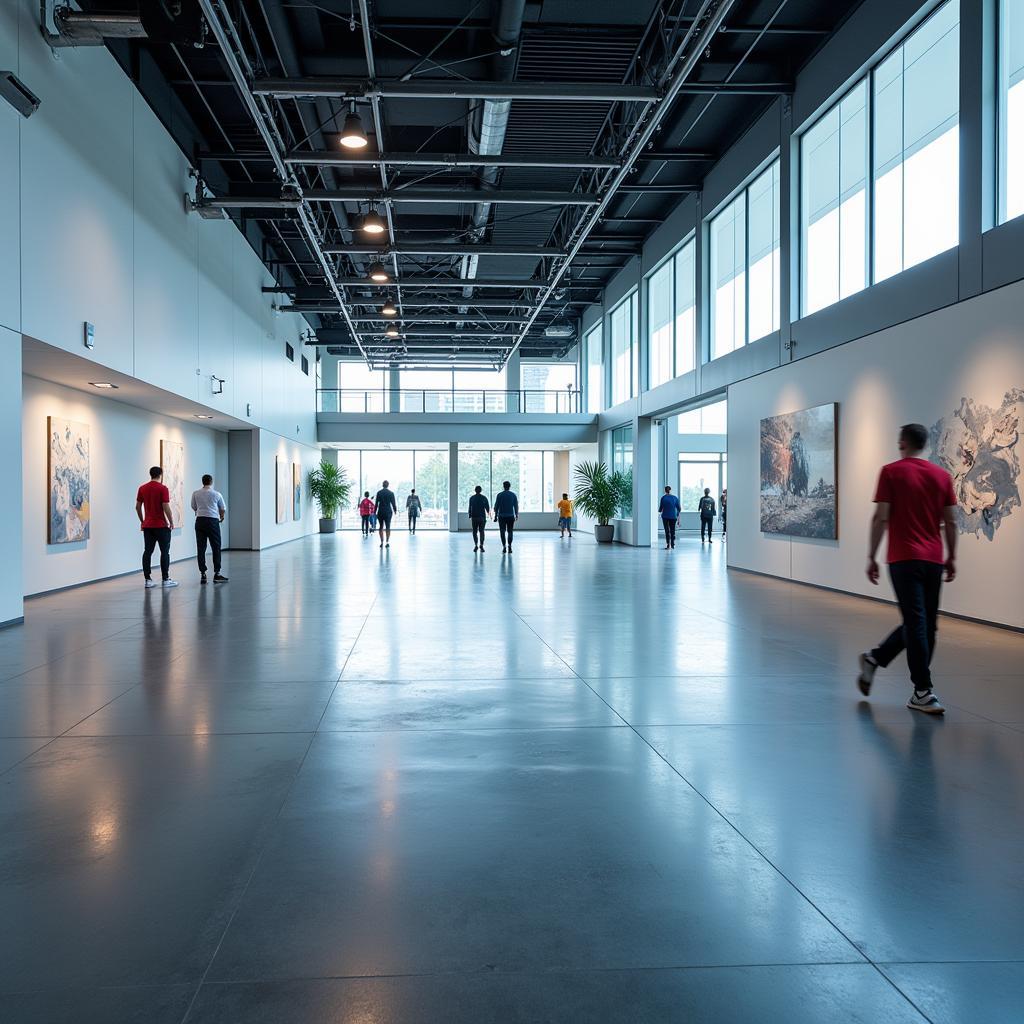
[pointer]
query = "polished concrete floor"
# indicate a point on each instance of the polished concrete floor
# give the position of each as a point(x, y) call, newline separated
point(578, 784)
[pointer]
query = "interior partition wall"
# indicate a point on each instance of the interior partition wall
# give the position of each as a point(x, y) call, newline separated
point(425, 469)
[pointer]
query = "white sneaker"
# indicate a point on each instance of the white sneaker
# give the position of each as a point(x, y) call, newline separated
point(169, 583)
point(926, 702)
point(868, 667)
point(150, 584)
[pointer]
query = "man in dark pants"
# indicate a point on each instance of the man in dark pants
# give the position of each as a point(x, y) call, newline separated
point(385, 505)
point(706, 508)
point(479, 507)
point(668, 509)
point(210, 509)
point(916, 502)
point(153, 507)
point(506, 511)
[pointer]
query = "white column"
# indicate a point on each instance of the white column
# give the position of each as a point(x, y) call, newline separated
point(11, 579)
point(645, 452)
point(453, 486)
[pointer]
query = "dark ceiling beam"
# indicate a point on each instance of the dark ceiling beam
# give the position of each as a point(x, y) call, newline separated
point(678, 156)
point(445, 249)
point(664, 190)
point(454, 89)
point(331, 158)
point(435, 196)
point(456, 317)
point(737, 88)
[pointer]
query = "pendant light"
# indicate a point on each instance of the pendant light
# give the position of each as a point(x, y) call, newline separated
point(352, 135)
point(379, 273)
point(392, 332)
point(388, 309)
point(374, 223)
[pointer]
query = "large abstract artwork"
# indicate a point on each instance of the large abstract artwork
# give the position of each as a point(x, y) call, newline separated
point(67, 473)
point(798, 473)
point(172, 462)
point(296, 491)
point(979, 446)
point(284, 489)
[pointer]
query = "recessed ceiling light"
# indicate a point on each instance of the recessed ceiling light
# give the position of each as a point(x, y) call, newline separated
point(105, 384)
point(200, 416)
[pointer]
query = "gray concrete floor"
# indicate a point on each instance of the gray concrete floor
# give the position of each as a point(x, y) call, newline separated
point(577, 784)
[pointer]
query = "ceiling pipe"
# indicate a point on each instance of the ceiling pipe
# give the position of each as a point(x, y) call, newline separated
point(330, 158)
point(504, 90)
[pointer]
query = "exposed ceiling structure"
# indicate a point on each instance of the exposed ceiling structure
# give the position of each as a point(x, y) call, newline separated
point(510, 155)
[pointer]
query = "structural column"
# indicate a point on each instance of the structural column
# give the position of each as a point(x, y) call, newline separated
point(645, 452)
point(453, 486)
point(513, 381)
point(329, 380)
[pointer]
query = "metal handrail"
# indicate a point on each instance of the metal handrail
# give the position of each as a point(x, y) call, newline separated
point(450, 400)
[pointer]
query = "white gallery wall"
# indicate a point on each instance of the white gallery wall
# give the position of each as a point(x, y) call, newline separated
point(124, 442)
point(920, 372)
point(272, 448)
point(10, 472)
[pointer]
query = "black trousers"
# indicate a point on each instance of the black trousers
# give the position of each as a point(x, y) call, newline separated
point(917, 585)
point(412, 523)
point(723, 522)
point(366, 525)
point(479, 526)
point(505, 526)
point(208, 529)
point(152, 536)
point(707, 523)
point(670, 531)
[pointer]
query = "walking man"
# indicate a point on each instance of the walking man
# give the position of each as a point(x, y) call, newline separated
point(723, 505)
point(210, 510)
point(706, 508)
point(385, 506)
point(916, 503)
point(479, 507)
point(565, 516)
point(413, 508)
point(506, 512)
point(153, 507)
point(668, 509)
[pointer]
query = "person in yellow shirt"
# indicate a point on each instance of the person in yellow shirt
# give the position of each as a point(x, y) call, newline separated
point(565, 516)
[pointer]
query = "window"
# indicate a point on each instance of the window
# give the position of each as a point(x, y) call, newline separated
point(624, 350)
point(531, 474)
point(305, 366)
point(289, 352)
point(549, 387)
point(622, 462)
point(833, 203)
point(916, 172)
point(671, 301)
point(426, 391)
point(744, 265)
point(1011, 111)
point(424, 469)
point(708, 419)
point(594, 355)
point(362, 389)
point(698, 470)
point(480, 391)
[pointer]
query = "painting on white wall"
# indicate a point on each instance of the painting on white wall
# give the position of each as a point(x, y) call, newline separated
point(172, 462)
point(283, 489)
point(979, 445)
point(67, 473)
point(799, 496)
point(296, 491)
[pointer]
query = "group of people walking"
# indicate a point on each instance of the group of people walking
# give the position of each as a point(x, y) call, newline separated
point(376, 513)
point(670, 508)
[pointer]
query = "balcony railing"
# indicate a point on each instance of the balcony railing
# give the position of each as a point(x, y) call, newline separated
point(387, 400)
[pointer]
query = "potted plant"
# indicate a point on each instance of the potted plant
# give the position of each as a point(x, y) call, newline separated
point(599, 495)
point(330, 490)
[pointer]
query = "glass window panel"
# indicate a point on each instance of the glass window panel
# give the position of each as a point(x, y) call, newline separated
point(685, 308)
point(689, 422)
point(548, 386)
point(362, 388)
point(694, 476)
point(713, 418)
point(394, 466)
point(624, 354)
point(474, 470)
point(622, 461)
point(349, 461)
point(426, 391)
point(480, 391)
point(432, 487)
point(660, 324)
point(595, 370)
point(1011, 110)
point(763, 254)
point(728, 278)
point(549, 481)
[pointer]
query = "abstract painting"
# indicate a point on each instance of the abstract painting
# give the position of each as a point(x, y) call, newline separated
point(979, 446)
point(67, 473)
point(296, 491)
point(172, 462)
point(284, 489)
point(798, 473)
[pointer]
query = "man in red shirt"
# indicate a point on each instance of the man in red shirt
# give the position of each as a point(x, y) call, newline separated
point(153, 507)
point(915, 500)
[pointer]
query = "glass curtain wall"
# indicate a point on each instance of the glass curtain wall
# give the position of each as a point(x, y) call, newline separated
point(424, 469)
point(622, 462)
point(367, 389)
point(698, 470)
point(916, 172)
point(531, 474)
point(625, 360)
point(671, 302)
point(557, 381)
point(453, 391)
point(1011, 110)
point(594, 354)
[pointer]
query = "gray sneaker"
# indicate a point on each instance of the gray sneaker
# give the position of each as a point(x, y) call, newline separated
point(926, 702)
point(868, 667)
point(169, 583)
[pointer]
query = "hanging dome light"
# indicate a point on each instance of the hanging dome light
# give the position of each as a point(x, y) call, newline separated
point(379, 273)
point(388, 309)
point(391, 332)
point(374, 223)
point(352, 135)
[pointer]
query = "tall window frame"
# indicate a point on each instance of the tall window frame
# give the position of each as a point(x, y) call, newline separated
point(624, 349)
point(1010, 105)
point(672, 315)
point(593, 370)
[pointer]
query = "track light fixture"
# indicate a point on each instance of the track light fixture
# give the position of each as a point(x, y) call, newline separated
point(352, 135)
point(388, 309)
point(374, 223)
point(379, 273)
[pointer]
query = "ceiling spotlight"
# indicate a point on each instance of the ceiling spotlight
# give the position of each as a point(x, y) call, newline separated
point(392, 332)
point(352, 135)
point(374, 224)
point(388, 309)
point(201, 416)
point(379, 273)
point(105, 384)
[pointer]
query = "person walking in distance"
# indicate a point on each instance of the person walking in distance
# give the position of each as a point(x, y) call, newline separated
point(385, 506)
point(413, 508)
point(723, 506)
point(365, 512)
point(153, 507)
point(706, 508)
point(210, 510)
point(668, 509)
point(565, 516)
point(479, 507)
point(916, 503)
point(506, 512)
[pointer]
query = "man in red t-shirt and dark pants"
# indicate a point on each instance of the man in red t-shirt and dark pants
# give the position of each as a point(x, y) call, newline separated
point(153, 507)
point(916, 501)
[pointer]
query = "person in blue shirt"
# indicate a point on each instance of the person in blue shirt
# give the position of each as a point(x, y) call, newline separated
point(506, 512)
point(668, 509)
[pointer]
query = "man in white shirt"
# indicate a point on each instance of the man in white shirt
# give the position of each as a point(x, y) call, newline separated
point(210, 509)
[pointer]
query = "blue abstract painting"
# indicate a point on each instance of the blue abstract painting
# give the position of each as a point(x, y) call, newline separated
point(68, 477)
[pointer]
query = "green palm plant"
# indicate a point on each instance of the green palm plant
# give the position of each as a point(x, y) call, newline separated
point(330, 488)
point(600, 492)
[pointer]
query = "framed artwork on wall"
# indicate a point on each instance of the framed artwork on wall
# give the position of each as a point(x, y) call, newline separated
point(67, 475)
point(799, 484)
point(296, 491)
point(283, 488)
point(172, 462)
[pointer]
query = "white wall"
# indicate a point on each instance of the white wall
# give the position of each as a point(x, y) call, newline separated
point(11, 607)
point(124, 442)
point(584, 453)
point(916, 372)
point(272, 532)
